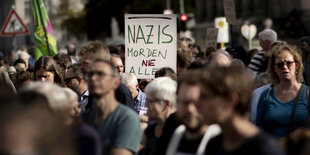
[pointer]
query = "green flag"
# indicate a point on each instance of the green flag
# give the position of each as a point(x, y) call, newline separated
point(45, 42)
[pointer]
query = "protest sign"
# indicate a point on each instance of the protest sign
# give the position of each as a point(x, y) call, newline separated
point(150, 42)
point(223, 33)
point(229, 10)
point(212, 37)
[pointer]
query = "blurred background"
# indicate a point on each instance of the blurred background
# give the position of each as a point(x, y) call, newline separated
point(77, 21)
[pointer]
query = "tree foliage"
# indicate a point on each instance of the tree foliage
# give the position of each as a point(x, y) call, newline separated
point(95, 20)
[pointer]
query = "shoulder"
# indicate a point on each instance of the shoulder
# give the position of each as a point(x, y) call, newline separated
point(266, 91)
point(88, 115)
point(262, 88)
point(268, 145)
point(214, 144)
point(124, 111)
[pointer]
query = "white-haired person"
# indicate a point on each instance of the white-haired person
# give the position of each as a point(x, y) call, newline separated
point(139, 97)
point(63, 104)
point(23, 55)
point(131, 81)
point(259, 63)
point(161, 103)
point(74, 105)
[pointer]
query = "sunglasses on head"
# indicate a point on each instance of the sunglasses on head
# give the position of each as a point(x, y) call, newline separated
point(287, 63)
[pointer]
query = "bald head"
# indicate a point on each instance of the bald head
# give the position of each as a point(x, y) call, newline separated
point(219, 59)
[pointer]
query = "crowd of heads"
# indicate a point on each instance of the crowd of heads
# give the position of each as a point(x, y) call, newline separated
point(209, 86)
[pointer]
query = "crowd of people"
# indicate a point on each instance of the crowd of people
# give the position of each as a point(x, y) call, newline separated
point(223, 102)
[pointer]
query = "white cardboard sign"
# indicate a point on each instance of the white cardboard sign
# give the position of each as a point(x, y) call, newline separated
point(150, 42)
point(223, 34)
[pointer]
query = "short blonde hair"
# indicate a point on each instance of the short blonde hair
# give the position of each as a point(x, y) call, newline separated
point(297, 58)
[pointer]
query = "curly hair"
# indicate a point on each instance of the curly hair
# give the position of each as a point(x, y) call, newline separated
point(297, 58)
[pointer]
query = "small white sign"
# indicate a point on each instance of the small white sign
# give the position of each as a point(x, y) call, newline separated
point(249, 32)
point(150, 42)
point(229, 10)
point(223, 33)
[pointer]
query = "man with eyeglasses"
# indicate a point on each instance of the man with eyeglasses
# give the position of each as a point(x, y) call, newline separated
point(93, 50)
point(117, 124)
point(75, 80)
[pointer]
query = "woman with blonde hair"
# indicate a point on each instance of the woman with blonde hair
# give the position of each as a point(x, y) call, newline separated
point(283, 107)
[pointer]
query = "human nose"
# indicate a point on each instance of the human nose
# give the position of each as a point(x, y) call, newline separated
point(191, 108)
point(43, 79)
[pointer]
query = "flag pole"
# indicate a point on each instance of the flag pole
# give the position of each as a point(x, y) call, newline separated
point(45, 34)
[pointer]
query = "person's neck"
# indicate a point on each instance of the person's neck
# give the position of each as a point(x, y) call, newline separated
point(105, 105)
point(196, 134)
point(236, 130)
point(83, 89)
point(136, 93)
point(288, 84)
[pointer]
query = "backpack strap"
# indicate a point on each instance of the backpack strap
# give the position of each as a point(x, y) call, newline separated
point(294, 108)
point(268, 93)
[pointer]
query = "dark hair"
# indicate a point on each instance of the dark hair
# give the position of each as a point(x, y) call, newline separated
point(47, 63)
point(19, 61)
point(63, 60)
point(227, 81)
point(95, 50)
point(166, 72)
point(22, 77)
point(191, 77)
point(113, 49)
point(76, 70)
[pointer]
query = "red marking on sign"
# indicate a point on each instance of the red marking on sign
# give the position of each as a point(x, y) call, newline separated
point(13, 25)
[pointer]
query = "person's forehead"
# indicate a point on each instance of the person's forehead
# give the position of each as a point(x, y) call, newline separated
point(184, 88)
point(69, 72)
point(285, 54)
point(101, 66)
point(43, 71)
point(20, 63)
point(119, 60)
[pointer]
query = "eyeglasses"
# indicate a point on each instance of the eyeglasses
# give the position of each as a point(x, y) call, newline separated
point(67, 80)
point(100, 74)
point(287, 63)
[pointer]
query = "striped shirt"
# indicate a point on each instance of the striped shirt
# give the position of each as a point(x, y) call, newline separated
point(258, 63)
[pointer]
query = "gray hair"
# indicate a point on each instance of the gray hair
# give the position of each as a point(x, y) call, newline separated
point(72, 96)
point(163, 88)
point(129, 79)
point(268, 34)
point(21, 53)
point(115, 56)
point(55, 95)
